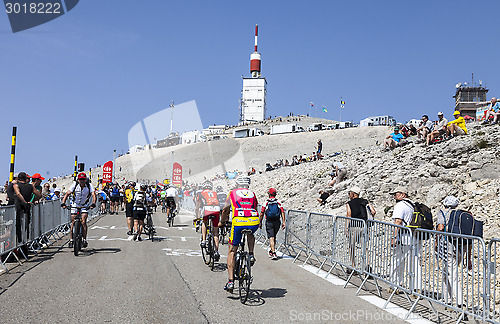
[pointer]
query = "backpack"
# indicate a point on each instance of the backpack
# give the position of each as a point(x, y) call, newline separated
point(115, 192)
point(421, 218)
point(273, 210)
point(462, 222)
point(87, 184)
point(366, 213)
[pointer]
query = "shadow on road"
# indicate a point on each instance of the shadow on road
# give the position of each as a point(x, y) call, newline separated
point(103, 250)
point(257, 297)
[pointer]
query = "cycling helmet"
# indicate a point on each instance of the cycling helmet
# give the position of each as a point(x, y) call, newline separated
point(207, 185)
point(143, 186)
point(451, 201)
point(82, 175)
point(243, 181)
point(219, 189)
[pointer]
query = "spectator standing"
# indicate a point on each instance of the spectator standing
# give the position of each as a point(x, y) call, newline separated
point(37, 183)
point(24, 191)
point(11, 195)
point(403, 243)
point(53, 189)
point(56, 195)
point(439, 128)
point(452, 256)
point(320, 148)
point(46, 192)
point(354, 207)
point(275, 218)
point(456, 127)
point(129, 207)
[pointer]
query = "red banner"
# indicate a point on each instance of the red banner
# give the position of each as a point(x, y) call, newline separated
point(177, 174)
point(107, 172)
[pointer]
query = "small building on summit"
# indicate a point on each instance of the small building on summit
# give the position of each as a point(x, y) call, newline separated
point(469, 97)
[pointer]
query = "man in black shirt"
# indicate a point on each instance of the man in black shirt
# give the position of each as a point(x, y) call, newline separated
point(357, 208)
point(23, 194)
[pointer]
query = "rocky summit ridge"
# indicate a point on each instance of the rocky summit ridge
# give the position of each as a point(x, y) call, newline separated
point(466, 166)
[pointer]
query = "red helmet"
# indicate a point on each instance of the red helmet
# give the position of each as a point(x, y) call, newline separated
point(82, 175)
point(272, 191)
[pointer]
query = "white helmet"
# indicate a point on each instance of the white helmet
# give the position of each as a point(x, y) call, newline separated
point(243, 181)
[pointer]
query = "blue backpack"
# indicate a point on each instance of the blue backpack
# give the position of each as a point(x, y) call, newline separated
point(115, 192)
point(273, 211)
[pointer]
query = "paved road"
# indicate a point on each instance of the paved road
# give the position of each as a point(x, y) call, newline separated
point(117, 280)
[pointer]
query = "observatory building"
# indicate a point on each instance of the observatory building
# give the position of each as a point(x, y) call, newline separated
point(253, 95)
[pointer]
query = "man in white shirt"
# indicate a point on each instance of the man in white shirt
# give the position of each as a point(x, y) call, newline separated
point(403, 242)
point(439, 128)
point(425, 129)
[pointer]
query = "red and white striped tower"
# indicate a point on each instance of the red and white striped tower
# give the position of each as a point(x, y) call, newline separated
point(255, 58)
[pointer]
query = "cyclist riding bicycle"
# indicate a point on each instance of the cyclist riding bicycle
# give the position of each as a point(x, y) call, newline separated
point(82, 191)
point(207, 205)
point(242, 204)
point(171, 194)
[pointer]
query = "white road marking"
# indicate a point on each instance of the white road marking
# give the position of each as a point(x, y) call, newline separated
point(395, 310)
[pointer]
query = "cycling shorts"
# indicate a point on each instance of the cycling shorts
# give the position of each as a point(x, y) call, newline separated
point(170, 202)
point(139, 214)
point(239, 223)
point(210, 210)
point(74, 211)
point(114, 198)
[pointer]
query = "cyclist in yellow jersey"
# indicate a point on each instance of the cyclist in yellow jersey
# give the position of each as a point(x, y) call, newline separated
point(242, 203)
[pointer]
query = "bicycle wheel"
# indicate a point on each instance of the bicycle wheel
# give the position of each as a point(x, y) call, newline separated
point(151, 228)
point(245, 278)
point(211, 250)
point(76, 238)
point(205, 254)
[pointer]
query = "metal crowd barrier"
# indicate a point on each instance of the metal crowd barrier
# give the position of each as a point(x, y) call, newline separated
point(296, 232)
point(349, 245)
point(48, 222)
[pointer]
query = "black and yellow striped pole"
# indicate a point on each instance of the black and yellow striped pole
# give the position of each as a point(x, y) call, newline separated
point(76, 162)
point(12, 154)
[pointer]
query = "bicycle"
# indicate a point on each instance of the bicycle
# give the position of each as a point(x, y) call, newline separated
point(208, 252)
point(170, 217)
point(243, 268)
point(77, 231)
point(223, 231)
point(149, 228)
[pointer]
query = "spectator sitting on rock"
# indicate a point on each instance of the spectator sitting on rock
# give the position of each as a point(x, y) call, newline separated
point(456, 127)
point(493, 111)
point(394, 140)
point(53, 189)
point(338, 173)
point(412, 130)
point(286, 163)
point(439, 128)
point(424, 129)
point(269, 167)
point(322, 197)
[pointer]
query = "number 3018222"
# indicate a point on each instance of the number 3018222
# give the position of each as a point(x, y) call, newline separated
point(33, 8)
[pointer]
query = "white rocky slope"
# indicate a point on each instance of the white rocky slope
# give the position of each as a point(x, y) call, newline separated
point(466, 166)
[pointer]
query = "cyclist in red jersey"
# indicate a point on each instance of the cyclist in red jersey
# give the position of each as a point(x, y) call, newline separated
point(208, 204)
point(242, 204)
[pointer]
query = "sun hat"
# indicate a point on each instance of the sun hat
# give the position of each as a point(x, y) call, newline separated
point(272, 191)
point(399, 189)
point(440, 113)
point(450, 201)
point(355, 189)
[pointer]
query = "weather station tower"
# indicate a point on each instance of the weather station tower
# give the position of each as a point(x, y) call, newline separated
point(253, 95)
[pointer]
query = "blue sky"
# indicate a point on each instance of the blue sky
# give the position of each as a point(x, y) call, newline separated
point(77, 84)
